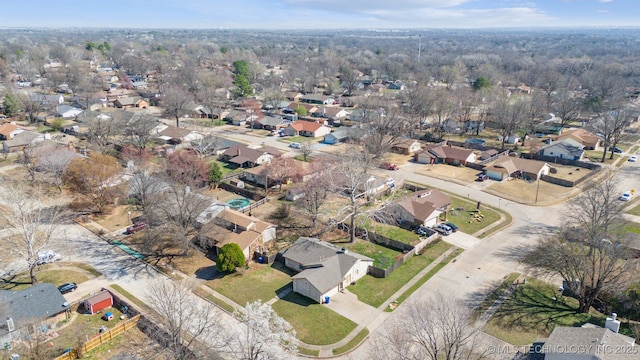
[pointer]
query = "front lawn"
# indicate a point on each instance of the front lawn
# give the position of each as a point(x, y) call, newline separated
point(635, 210)
point(259, 282)
point(382, 256)
point(596, 156)
point(531, 312)
point(374, 291)
point(314, 323)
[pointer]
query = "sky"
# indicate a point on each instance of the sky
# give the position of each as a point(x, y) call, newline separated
point(319, 14)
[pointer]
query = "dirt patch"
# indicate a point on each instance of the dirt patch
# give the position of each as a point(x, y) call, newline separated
point(197, 263)
point(444, 171)
point(525, 191)
point(118, 219)
point(397, 159)
point(334, 149)
point(221, 195)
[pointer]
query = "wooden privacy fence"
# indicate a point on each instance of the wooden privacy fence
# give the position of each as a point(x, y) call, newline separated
point(101, 339)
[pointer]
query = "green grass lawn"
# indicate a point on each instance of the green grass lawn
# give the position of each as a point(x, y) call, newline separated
point(495, 294)
point(596, 156)
point(261, 282)
point(54, 276)
point(463, 218)
point(298, 139)
point(392, 232)
point(226, 168)
point(85, 326)
point(635, 210)
point(382, 256)
point(351, 344)
point(630, 226)
point(314, 323)
point(374, 291)
point(532, 313)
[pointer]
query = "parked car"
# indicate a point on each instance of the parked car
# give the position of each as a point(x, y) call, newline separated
point(453, 226)
point(627, 196)
point(615, 149)
point(482, 177)
point(295, 145)
point(136, 227)
point(633, 158)
point(67, 287)
point(48, 256)
point(423, 230)
point(443, 229)
point(389, 166)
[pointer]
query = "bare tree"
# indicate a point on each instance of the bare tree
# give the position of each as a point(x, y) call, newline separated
point(102, 128)
point(280, 170)
point(306, 149)
point(437, 328)
point(313, 200)
point(54, 161)
point(610, 127)
point(566, 106)
point(185, 318)
point(175, 101)
point(138, 130)
point(443, 108)
point(593, 263)
point(509, 116)
point(205, 145)
point(181, 208)
point(266, 336)
point(32, 221)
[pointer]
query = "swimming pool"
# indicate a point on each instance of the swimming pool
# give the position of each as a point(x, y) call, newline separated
point(239, 203)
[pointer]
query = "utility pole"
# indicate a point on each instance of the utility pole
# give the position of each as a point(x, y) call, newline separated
point(419, 46)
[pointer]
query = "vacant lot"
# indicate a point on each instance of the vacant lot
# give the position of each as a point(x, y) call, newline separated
point(570, 173)
point(525, 191)
point(444, 171)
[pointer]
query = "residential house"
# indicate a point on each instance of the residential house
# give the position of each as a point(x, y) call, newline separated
point(406, 146)
point(589, 342)
point(474, 124)
point(273, 123)
point(68, 112)
point(323, 268)
point(488, 154)
point(421, 208)
point(174, 135)
point(219, 144)
point(251, 234)
point(566, 148)
point(242, 155)
point(41, 305)
point(438, 154)
point(336, 137)
point(241, 117)
point(23, 139)
point(307, 128)
point(334, 114)
point(374, 186)
point(361, 115)
point(293, 96)
point(286, 170)
point(47, 101)
point(9, 130)
point(199, 111)
point(509, 166)
point(589, 140)
point(127, 102)
point(317, 99)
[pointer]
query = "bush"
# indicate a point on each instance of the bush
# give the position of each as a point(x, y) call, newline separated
point(229, 258)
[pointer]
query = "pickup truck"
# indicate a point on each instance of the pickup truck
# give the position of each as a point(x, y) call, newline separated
point(48, 256)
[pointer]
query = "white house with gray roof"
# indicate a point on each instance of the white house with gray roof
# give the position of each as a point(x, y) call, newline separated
point(323, 268)
point(566, 148)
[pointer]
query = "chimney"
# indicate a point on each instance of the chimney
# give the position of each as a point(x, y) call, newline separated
point(612, 323)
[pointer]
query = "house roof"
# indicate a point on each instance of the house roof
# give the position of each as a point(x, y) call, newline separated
point(405, 143)
point(223, 236)
point(566, 145)
point(315, 97)
point(99, 297)
point(272, 121)
point(36, 302)
point(174, 132)
point(421, 204)
point(334, 111)
point(241, 153)
point(7, 128)
point(326, 263)
point(448, 152)
point(128, 100)
point(488, 153)
point(302, 125)
point(589, 341)
point(23, 138)
point(242, 220)
point(510, 164)
point(581, 135)
point(340, 134)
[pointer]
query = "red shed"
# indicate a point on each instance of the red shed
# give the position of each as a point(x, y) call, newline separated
point(99, 302)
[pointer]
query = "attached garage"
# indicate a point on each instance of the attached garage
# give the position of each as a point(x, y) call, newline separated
point(99, 302)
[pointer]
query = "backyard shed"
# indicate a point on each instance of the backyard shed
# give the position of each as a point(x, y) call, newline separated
point(99, 302)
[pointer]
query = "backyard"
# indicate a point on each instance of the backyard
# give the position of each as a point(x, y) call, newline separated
point(525, 191)
point(392, 232)
point(382, 256)
point(375, 291)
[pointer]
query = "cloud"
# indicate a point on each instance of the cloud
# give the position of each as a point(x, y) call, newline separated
point(367, 6)
point(605, 1)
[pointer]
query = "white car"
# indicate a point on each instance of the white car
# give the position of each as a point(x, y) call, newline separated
point(48, 256)
point(633, 158)
point(626, 196)
point(295, 145)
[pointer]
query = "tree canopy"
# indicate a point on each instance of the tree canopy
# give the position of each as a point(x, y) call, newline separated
point(481, 83)
point(230, 257)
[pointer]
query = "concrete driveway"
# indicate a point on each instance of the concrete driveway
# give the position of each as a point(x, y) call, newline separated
point(347, 304)
point(461, 240)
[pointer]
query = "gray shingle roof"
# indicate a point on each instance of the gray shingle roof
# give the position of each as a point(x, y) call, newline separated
point(37, 302)
point(600, 343)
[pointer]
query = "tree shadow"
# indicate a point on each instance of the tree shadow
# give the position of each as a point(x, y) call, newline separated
point(537, 229)
point(298, 299)
point(207, 273)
